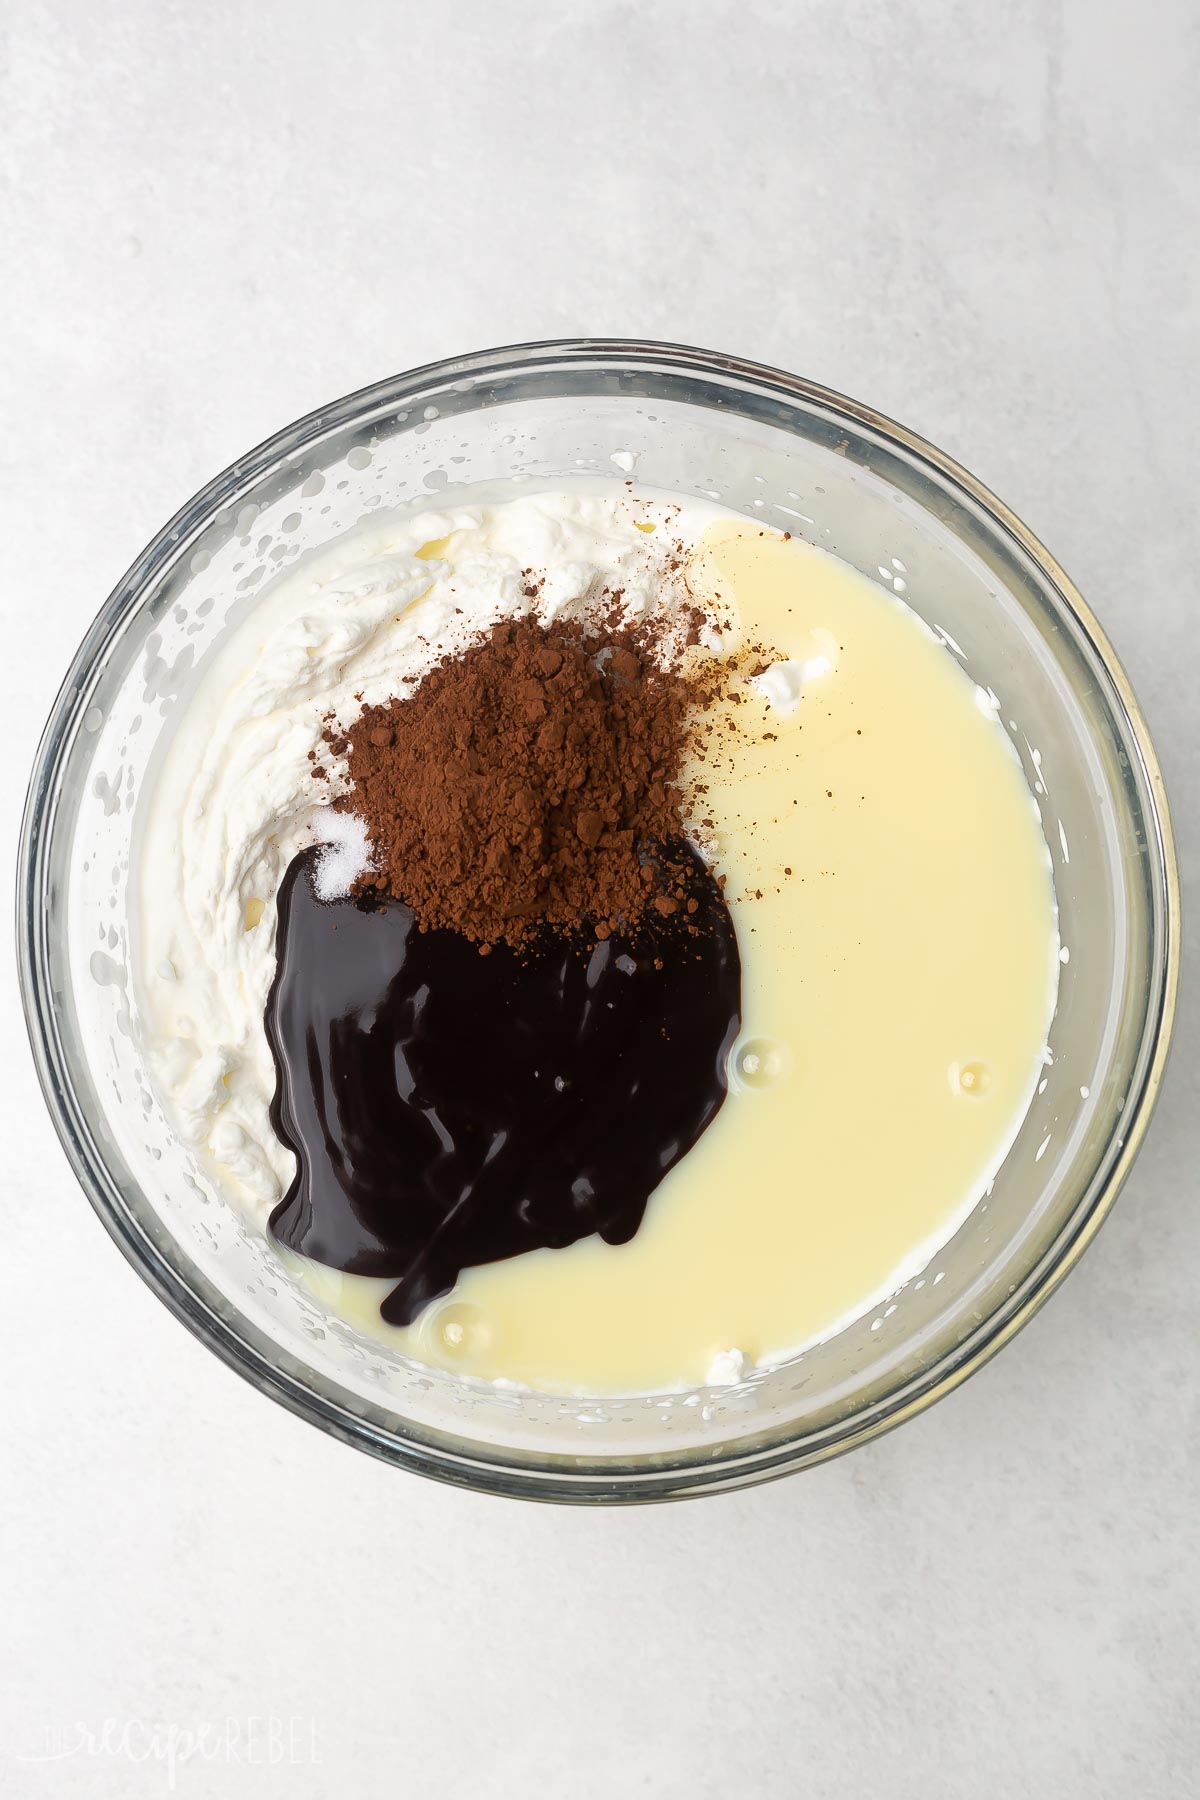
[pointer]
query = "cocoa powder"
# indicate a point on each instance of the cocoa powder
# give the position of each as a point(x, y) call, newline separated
point(530, 783)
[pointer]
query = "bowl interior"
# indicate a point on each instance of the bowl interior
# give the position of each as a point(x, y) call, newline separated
point(827, 471)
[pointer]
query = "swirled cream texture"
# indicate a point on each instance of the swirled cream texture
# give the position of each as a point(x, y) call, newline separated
point(890, 888)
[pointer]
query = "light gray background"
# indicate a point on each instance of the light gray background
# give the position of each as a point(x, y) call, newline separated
point(983, 219)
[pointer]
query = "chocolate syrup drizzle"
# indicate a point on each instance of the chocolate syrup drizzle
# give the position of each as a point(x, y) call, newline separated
point(448, 1109)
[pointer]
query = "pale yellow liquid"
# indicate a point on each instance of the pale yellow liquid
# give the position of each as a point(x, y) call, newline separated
point(897, 991)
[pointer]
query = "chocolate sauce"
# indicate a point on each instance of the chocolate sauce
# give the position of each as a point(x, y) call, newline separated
point(448, 1109)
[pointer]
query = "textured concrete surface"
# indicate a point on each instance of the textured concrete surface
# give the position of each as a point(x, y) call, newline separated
point(982, 219)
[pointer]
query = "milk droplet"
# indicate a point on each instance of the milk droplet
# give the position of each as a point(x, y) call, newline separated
point(972, 1078)
point(759, 1064)
point(458, 1331)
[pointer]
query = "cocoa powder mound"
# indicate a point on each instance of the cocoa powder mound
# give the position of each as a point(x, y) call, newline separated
point(531, 781)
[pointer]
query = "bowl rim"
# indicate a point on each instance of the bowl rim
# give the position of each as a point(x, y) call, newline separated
point(598, 1479)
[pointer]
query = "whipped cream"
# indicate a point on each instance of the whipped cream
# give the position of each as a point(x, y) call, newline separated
point(233, 800)
point(727, 1368)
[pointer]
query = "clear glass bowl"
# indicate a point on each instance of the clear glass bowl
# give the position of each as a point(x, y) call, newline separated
point(769, 445)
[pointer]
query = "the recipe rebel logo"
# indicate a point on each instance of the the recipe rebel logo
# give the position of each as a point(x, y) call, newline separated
point(259, 1741)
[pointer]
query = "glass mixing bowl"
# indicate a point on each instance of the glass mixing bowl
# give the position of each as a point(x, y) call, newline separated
point(768, 445)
